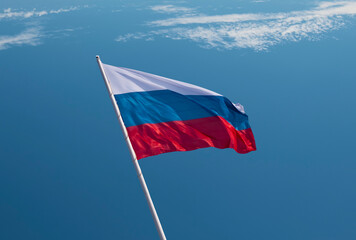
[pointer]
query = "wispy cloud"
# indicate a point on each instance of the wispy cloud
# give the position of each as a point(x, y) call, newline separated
point(171, 9)
point(323, 10)
point(259, 1)
point(34, 34)
point(31, 36)
point(10, 14)
point(257, 31)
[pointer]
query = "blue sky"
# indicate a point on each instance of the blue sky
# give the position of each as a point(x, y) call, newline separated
point(65, 170)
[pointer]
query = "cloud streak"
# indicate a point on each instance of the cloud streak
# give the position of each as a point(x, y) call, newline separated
point(31, 36)
point(168, 9)
point(256, 31)
point(324, 10)
point(9, 14)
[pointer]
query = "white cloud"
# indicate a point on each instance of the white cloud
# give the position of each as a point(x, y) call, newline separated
point(62, 10)
point(256, 31)
point(129, 36)
point(9, 14)
point(33, 34)
point(30, 36)
point(323, 10)
point(171, 9)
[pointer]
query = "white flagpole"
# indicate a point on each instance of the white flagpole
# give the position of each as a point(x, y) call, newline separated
point(133, 155)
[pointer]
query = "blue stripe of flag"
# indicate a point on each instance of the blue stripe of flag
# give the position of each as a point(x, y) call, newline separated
point(165, 106)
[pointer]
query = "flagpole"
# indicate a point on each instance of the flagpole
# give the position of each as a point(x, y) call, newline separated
point(133, 155)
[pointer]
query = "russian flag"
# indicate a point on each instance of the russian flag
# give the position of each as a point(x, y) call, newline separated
point(163, 115)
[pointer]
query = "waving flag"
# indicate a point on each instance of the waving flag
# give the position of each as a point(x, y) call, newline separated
point(163, 115)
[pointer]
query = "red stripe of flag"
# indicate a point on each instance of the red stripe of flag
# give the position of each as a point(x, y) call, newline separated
point(153, 139)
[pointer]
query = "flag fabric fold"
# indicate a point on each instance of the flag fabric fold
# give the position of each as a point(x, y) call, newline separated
point(163, 115)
